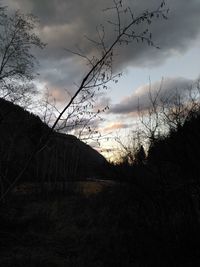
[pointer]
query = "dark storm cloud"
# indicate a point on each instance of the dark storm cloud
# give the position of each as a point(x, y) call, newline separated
point(65, 22)
point(141, 96)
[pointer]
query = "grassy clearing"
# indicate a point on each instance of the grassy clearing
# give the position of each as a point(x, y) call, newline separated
point(112, 228)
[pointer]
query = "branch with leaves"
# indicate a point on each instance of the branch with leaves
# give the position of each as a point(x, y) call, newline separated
point(101, 67)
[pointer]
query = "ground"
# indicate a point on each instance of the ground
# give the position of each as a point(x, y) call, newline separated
point(111, 228)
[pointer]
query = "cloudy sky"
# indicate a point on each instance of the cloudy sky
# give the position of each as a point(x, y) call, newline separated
point(65, 23)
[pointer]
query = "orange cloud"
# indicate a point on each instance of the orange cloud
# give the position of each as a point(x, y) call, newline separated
point(115, 126)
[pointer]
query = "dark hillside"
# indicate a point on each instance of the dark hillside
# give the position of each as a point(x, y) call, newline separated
point(64, 156)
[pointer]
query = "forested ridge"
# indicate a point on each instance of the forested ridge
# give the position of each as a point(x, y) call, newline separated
point(60, 159)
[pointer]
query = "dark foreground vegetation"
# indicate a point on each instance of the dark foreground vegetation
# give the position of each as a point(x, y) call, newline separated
point(122, 227)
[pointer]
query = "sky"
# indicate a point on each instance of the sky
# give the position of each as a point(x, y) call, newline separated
point(64, 25)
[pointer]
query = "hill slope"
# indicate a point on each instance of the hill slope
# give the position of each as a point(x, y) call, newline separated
point(63, 157)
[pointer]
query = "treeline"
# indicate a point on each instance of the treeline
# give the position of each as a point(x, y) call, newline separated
point(165, 180)
point(167, 140)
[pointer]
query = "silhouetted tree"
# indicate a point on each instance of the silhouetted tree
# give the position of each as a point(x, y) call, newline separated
point(140, 156)
point(17, 62)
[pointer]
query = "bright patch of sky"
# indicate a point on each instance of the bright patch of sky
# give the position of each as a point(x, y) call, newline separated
point(180, 65)
point(184, 65)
